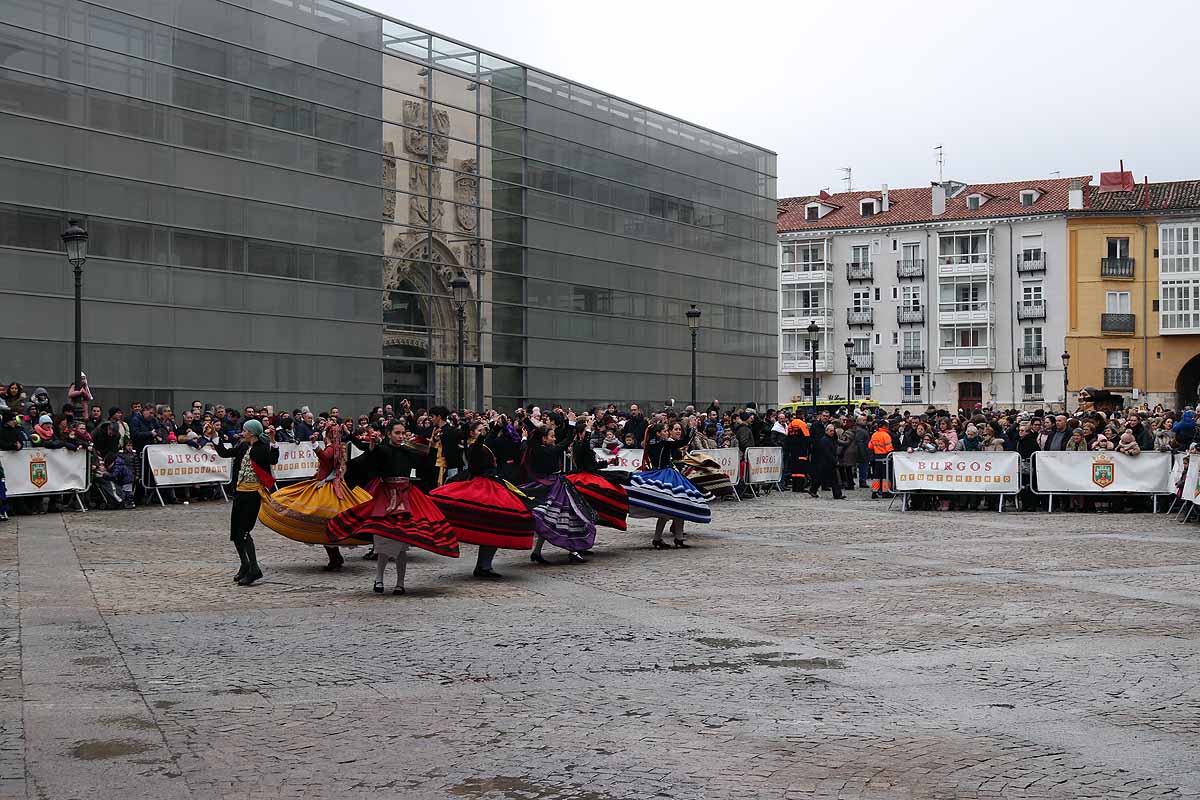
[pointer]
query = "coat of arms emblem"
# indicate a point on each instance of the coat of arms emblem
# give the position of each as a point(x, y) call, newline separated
point(1104, 471)
point(39, 476)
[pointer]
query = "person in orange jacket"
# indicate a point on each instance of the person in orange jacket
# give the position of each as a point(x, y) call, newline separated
point(880, 445)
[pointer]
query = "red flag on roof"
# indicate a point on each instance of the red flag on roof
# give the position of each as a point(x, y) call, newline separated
point(1116, 181)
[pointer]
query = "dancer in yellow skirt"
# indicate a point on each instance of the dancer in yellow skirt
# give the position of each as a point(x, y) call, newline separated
point(301, 511)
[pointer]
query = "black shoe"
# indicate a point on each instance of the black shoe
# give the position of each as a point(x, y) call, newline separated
point(371, 555)
point(378, 587)
point(537, 558)
point(681, 544)
point(813, 494)
point(398, 590)
point(241, 573)
point(874, 495)
point(659, 544)
point(487, 575)
point(862, 484)
point(250, 577)
point(335, 563)
point(575, 558)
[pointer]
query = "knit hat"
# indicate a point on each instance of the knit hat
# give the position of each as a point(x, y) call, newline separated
point(255, 427)
point(44, 419)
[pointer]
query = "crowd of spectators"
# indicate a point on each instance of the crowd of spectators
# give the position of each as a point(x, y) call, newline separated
point(836, 450)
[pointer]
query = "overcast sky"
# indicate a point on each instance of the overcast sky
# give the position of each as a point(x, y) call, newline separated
point(1012, 90)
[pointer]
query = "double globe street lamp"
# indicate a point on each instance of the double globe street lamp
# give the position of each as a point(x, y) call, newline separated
point(693, 321)
point(849, 372)
point(813, 329)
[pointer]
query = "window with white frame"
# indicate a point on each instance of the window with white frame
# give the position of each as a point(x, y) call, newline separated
point(912, 387)
point(911, 341)
point(860, 254)
point(1116, 302)
point(1116, 359)
point(862, 387)
point(1179, 247)
point(1032, 340)
point(812, 213)
point(976, 336)
point(862, 345)
point(1031, 295)
point(964, 247)
point(803, 256)
point(910, 298)
point(802, 302)
point(860, 299)
point(1033, 385)
point(1118, 247)
point(895, 338)
point(974, 202)
point(911, 252)
point(810, 387)
point(963, 296)
point(867, 208)
point(1179, 305)
point(1031, 248)
point(1028, 197)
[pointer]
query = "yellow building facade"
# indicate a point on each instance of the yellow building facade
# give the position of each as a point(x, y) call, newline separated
point(1119, 298)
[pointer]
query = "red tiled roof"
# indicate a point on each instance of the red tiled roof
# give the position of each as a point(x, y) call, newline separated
point(907, 206)
point(1145, 198)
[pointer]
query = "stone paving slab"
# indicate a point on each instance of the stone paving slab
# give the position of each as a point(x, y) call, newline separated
point(800, 649)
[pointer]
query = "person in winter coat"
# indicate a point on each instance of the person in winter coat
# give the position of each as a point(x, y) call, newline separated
point(796, 453)
point(743, 434)
point(1128, 444)
point(862, 435)
point(991, 443)
point(847, 450)
point(1076, 443)
point(880, 446)
point(1164, 440)
point(1184, 430)
point(824, 461)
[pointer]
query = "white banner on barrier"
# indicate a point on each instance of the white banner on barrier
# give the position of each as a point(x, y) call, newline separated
point(989, 472)
point(765, 464)
point(730, 459)
point(1101, 471)
point(298, 460)
point(1191, 483)
point(183, 465)
point(36, 470)
point(625, 460)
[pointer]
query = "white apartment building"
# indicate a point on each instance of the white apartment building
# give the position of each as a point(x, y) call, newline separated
point(952, 295)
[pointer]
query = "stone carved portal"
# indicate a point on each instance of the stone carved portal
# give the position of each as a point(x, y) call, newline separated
point(427, 271)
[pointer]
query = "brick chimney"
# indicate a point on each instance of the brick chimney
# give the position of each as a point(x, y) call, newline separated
point(1075, 195)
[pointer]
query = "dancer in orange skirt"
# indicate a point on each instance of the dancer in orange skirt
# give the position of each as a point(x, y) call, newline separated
point(398, 515)
point(301, 512)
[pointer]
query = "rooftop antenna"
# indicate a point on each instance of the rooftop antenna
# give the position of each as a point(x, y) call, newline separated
point(1056, 173)
point(941, 160)
point(848, 177)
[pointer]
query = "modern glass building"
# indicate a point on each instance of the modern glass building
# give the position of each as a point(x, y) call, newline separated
point(280, 192)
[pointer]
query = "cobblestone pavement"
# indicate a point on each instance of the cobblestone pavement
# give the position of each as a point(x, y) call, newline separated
point(801, 649)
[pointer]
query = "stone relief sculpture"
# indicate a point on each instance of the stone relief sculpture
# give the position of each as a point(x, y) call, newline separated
point(466, 195)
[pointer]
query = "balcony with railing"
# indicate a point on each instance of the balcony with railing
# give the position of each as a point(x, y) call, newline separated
point(801, 361)
point(860, 271)
point(1118, 323)
point(910, 316)
point(966, 358)
point(910, 268)
point(798, 319)
point(910, 359)
point(1031, 396)
point(1035, 309)
point(1031, 357)
point(1118, 377)
point(966, 311)
point(965, 264)
point(806, 273)
point(1026, 266)
point(863, 360)
point(860, 316)
point(1117, 268)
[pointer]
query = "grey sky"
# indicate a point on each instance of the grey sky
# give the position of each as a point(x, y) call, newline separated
point(1013, 90)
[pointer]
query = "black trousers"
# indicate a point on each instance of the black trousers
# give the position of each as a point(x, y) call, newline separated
point(243, 515)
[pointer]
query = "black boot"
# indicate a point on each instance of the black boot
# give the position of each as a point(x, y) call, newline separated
point(241, 551)
point(253, 571)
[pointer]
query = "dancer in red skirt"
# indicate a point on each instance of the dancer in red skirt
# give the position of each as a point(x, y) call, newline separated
point(485, 510)
point(398, 514)
point(609, 499)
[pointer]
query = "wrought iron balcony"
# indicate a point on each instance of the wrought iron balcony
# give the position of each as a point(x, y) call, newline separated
point(1118, 377)
point(910, 316)
point(1034, 310)
point(860, 271)
point(860, 316)
point(1118, 323)
point(910, 268)
point(863, 360)
point(1032, 397)
point(910, 359)
point(1028, 265)
point(1116, 268)
point(1031, 357)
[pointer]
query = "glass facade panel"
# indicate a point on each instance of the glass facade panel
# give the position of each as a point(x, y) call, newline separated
point(279, 195)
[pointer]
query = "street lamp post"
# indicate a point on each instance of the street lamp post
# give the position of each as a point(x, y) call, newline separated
point(460, 285)
point(813, 330)
point(849, 372)
point(75, 237)
point(693, 320)
point(1066, 359)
